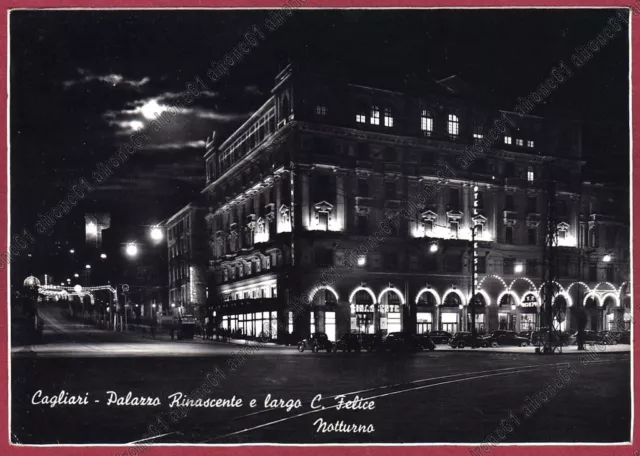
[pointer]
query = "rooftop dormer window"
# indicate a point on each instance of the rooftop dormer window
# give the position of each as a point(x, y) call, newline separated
point(453, 126)
point(321, 110)
point(375, 115)
point(426, 122)
point(388, 118)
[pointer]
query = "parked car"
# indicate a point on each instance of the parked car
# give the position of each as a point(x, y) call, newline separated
point(609, 337)
point(424, 342)
point(348, 342)
point(625, 337)
point(527, 335)
point(466, 339)
point(440, 337)
point(539, 336)
point(315, 343)
point(512, 338)
point(492, 339)
point(398, 341)
point(370, 342)
point(590, 337)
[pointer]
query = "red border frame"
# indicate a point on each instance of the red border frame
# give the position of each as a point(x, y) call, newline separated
point(400, 450)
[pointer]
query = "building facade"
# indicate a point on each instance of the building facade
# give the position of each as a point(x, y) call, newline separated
point(187, 255)
point(340, 208)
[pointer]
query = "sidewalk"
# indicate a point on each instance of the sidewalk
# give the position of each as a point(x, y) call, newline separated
point(166, 336)
point(531, 350)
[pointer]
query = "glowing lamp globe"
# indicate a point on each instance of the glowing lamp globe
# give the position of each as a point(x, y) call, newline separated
point(132, 250)
point(31, 282)
point(77, 288)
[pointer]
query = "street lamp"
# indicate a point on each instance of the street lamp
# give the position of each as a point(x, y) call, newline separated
point(156, 234)
point(103, 256)
point(433, 248)
point(362, 260)
point(519, 268)
point(78, 288)
point(72, 251)
point(87, 266)
point(607, 258)
point(76, 275)
point(131, 249)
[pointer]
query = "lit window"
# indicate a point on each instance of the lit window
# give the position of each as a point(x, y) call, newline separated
point(519, 142)
point(388, 119)
point(530, 174)
point(477, 133)
point(530, 144)
point(361, 118)
point(454, 125)
point(426, 123)
point(375, 115)
point(321, 110)
point(507, 139)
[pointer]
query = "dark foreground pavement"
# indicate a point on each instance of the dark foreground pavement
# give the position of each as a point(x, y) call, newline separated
point(426, 397)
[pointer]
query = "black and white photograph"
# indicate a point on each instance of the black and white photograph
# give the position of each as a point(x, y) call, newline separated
point(319, 226)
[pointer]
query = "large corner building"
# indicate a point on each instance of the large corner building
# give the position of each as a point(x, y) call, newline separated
point(342, 208)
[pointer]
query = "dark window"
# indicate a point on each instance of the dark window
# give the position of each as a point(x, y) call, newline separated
point(454, 198)
point(593, 273)
point(324, 257)
point(430, 263)
point(482, 265)
point(363, 187)
point(532, 236)
point(508, 235)
point(324, 188)
point(452, 263)
point(427, 158)
point(610, 274)
point(561, 207)
point(509, 204)
point(532, 204)
point(583, 235)
point(610, 236)
point(593, 237)
point(509, 169)
point(390, 155)
point(428, 226)
point(390, 189)
point(453, 228)
point(363, 224)
point(532, 268)
point(363, 151)
point(509, 266)
point(479, 165)
point(390, 261)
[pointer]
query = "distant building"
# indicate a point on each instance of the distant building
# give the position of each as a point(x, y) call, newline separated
point(94, 224)
point(341, 208)
point(187, 256)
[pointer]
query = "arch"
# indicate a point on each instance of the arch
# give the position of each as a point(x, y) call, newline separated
point(584, 285)
point(361, 288)
point(508, 293)
point(323, 287)
point(485, 296)
point(431, 291)
point(622, 286)
point(566, 297)
point(612, 295)
point(560, 287)
point(613, 288)
point(594, 295)
point(456, 291)
point(526, 279)
point(395, 290)
point(493, 276)
point(527, 293)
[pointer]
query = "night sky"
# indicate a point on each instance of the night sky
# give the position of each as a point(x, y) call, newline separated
point(81, 81)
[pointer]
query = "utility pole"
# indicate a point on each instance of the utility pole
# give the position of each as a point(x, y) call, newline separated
point(552, 342)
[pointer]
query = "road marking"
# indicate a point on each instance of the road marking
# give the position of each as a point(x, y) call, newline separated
point(149, 438)
point(392, 393)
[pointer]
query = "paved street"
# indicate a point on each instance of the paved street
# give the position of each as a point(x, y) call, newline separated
point(440, 396)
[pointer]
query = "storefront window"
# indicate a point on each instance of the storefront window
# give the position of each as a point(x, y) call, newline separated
point(330, 325)
point(450, 322)
point(424, 322)
point(312, 323)
point(528, 322)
